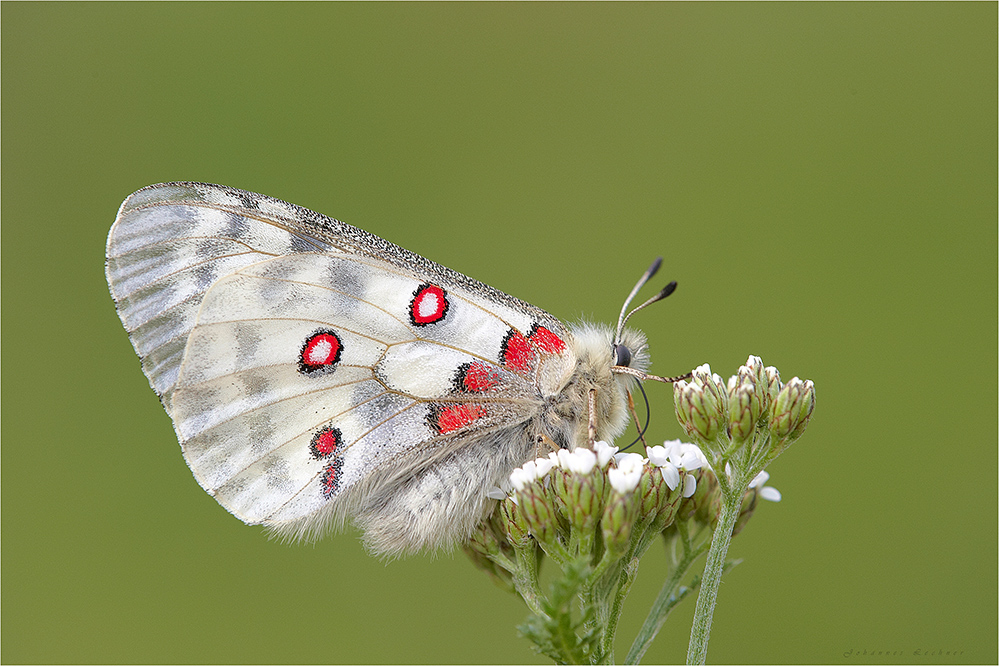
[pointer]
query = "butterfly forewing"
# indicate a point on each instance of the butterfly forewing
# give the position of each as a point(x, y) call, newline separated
point(305, 362)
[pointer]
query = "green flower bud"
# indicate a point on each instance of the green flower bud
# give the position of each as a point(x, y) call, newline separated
point(790, 412)
point(704, 504)
point(538, 512)
point(745, 404)
point(700, 412)
point(773, 385)
point(618, 521)
point(518, 532)
point(482, 546)
point(580, 490)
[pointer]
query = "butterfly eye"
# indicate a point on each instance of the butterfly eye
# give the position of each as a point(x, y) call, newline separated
point(622, 356)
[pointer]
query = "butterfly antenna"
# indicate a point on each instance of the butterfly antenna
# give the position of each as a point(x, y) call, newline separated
point(634, 292)
point(666, 291)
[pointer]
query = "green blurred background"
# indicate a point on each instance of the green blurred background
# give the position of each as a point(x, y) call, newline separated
point(820, 178)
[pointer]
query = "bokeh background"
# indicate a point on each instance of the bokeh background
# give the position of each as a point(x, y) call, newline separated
point(820, 178)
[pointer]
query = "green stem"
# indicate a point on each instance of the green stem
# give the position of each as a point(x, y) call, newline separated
point(700, 631)
point(669, 596)
point(624, 586)
point(525, 579)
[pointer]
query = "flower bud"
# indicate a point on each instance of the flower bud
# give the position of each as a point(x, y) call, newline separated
point(580, 488)
point(518, 532)
point(700, 411)
point(744, 408)
point(773, 385)
point(618, 520)
point(704, 504)
point(481, 547)
point(538, 512)
point(790, 412)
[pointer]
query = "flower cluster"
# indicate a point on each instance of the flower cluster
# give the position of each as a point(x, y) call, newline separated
point(747, 422)
point(594, 513)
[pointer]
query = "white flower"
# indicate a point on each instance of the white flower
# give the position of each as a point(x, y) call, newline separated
point(523, 476)
point(658, 455)
point(674, 456)
point(624, 481)
point(629, 461)
point(766, 492)
point(580, 461)
point(604, 452)
point(625, 477)
point(544, 465)
point(685, 456)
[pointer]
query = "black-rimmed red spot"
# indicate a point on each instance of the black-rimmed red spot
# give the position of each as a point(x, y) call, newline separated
point(325, 443)
point(330, 480)
point(450, 417)
point(429, 305)
point(475, 377)
point(546, 340)
point(320, 352)
point(516, 352)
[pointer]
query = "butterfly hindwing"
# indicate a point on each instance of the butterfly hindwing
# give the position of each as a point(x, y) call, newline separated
point(279, 353)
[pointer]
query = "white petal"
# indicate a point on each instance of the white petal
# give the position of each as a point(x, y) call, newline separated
point(581, 461)
point(657, 455)
point(770, 494)
point(553, 456)
point(760, 479)
point(623, 481)
point(689, 485)
point(496, 493)
point(520, 479)
point(544, 465)
point(629, 462)
point(671, 476)
point(564, 456)
point(691, 461)
point(604, 452)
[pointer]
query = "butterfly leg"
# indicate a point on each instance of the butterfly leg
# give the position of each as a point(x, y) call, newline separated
point(543, 445)
point(592, 419)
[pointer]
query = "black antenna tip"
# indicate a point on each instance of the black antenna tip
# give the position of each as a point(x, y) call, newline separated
point(654, 268)
point(668, 289)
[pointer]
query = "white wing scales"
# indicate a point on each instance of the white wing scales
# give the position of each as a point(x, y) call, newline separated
point(303, 386)
point(167, 247)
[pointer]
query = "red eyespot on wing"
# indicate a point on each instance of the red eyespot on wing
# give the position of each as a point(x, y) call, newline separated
point(320, 352)
point(476, 377)
point(330, 480)
point(325, 443)
point(448, 418)
point(429, 305)
point(516, 352)
point(546, 340)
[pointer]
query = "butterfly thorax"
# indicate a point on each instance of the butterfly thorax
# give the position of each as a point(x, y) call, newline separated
point(565, 415)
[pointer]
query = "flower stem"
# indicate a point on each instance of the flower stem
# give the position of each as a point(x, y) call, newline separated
point(525, 579)
point(697, 651)
point(669, 596)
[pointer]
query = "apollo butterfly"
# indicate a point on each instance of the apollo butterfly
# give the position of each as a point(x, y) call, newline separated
point(316, 373)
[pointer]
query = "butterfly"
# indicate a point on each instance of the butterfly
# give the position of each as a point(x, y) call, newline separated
point(317, 374)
